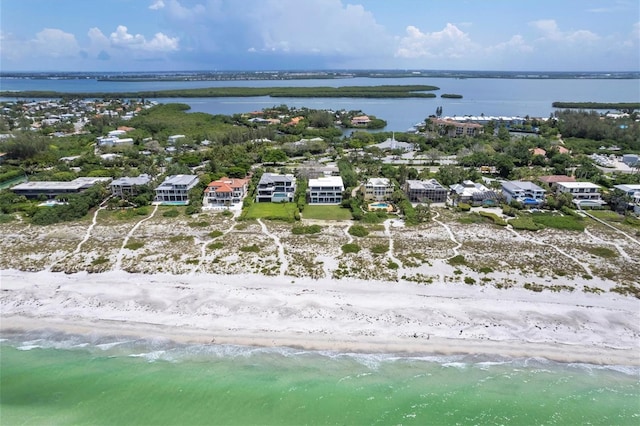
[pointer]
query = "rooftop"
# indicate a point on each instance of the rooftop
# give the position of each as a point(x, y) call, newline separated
point(326, 181)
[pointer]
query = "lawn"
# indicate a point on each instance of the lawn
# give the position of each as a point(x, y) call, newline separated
point(326, 213)
point(274, 211)
point(607, 215)
point(568, 223)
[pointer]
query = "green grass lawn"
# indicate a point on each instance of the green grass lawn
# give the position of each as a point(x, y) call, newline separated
point(274, 211)
point(326, 213)
point(568, 223)
point(606, 215)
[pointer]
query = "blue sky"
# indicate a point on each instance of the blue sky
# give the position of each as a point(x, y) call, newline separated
point(174, 35)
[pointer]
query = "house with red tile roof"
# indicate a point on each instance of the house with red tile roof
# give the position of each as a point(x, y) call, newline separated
point(226, 191)
point(538, 151)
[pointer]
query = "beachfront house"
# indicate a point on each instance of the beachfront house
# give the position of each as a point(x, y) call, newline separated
point(275, 188)
point(127, 186)
point(225, 192)
point(473, 193)
point(423, 191)
point(175, 189)
point(378, 189)
point(525, 192)
point(325, 190)
point(584, 194)
point(52, 189)
point(631, 190)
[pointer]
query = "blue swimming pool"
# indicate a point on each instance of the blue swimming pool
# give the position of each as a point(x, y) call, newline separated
point(379, 205)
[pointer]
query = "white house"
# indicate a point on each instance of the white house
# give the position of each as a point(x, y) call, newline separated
point(175, 189)
point(474, 193)
point(174, 138)
point(525, 192)
point(325, 190)
point(378, 189)
point(585, 194)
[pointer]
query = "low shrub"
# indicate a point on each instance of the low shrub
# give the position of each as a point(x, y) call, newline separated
point(171, 213)
point(215, 234)
point(457, 260)
point(350, 248)
point(99, 261)
point(607, 253)
point(134, 245)
point(200, 224)
point(254, 248)
point(358, 231)
point(380, 249)
point(469, 280)
point(215, 245)
point(494, 217)
point(306, 230)
point(464, 207)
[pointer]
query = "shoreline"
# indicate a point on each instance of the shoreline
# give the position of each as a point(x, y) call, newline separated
point(336, 315)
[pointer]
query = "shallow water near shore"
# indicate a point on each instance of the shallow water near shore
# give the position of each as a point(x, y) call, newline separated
point(57, 378)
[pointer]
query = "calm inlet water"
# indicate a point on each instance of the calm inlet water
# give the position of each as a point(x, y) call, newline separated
point(498, 97)
point(62, 379)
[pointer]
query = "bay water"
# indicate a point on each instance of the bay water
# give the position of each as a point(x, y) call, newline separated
point(55, 378)
point(488, 96)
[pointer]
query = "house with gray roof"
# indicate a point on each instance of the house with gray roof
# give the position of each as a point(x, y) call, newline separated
point(275, 188)
point(127, 186)
point(51, 189)
point(422, 191)
point(175, 189)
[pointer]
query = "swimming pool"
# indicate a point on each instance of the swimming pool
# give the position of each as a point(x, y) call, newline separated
point(380, 205)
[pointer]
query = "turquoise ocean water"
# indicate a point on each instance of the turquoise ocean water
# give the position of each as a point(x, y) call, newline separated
point(51, 378)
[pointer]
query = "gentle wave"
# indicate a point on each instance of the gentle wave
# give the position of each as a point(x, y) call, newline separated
point(160, 349)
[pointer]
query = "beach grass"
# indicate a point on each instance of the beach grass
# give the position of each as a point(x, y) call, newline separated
point(326, 213)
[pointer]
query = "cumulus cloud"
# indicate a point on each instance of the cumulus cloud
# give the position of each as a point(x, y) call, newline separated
point(551, 32)
point(450, 42)
point(157, 5)
point(121, 38)
point(310, 27)
point(55, 43)
point(515, 44)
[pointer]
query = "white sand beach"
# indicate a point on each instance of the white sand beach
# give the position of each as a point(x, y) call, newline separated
point(324, 314)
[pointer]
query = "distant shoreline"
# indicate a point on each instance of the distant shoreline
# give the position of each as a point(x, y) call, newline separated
point(384, 91)
point(132, 76)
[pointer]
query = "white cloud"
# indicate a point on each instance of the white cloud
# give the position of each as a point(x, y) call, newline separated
point(451, 42)
point(55, 43)
point(551, 32)
point(309, 27)
point(516, 44)
point(121, 38)
point(159, 4)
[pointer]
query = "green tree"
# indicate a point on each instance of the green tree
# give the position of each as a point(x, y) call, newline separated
point(274, 156)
